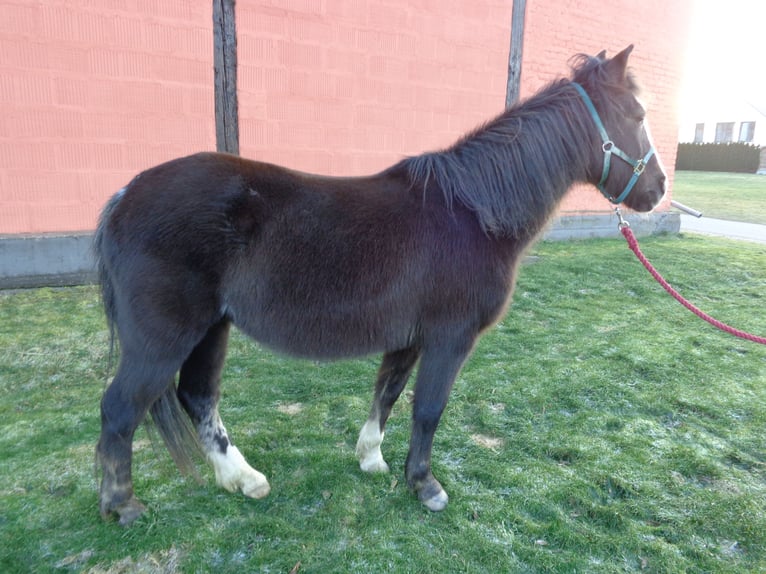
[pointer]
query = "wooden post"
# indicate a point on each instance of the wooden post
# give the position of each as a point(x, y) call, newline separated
point(515, 55)
point(225, 72)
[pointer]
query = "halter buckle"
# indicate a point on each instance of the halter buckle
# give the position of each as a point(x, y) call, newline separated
point(639, 167)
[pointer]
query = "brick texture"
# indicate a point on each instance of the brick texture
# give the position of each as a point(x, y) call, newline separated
point(93, 92)
point(350, 86)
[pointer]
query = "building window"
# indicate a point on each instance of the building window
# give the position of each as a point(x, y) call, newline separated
point(746, 131)
point(724, 132)
point(699, 133)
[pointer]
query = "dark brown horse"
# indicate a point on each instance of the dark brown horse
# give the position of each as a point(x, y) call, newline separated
point(415, 262)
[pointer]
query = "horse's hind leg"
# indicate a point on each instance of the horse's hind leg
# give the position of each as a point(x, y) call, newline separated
point(392, 377)
point(137, 384)
point(199, 392)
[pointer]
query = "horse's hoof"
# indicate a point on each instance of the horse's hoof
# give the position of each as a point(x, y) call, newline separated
point(437, 502)
point(374, 464)
point(257, 488)
point(128, 511)
point(431, 494)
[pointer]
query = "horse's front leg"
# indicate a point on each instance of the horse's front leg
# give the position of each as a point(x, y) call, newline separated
point(438, 369)
point(393, 374)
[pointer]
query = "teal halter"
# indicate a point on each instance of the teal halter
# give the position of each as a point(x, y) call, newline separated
point(609, 148)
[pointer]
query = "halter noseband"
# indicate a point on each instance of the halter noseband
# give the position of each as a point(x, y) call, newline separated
point(610, 148)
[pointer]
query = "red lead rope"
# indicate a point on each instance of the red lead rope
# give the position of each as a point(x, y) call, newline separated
point(633, 244)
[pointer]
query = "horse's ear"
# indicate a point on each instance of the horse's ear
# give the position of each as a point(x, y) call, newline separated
point(601, 55)
point(618, 66)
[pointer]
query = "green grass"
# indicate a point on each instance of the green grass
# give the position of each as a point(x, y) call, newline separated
point(732, 196)
point(599, 428)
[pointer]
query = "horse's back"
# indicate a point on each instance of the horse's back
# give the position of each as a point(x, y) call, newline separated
point(195, 212)
point(171, 238)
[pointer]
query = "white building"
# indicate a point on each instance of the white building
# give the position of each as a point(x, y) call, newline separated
point(726, 120)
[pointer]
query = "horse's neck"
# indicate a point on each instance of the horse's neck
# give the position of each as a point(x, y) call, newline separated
point(552, 137)
point(548, 148)
point(513, 172)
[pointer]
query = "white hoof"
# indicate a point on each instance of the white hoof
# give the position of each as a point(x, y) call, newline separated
point(374, 462)
point(233, 473)
point(254, 485)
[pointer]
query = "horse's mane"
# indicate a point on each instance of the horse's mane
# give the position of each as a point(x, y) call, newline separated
point(512, 171)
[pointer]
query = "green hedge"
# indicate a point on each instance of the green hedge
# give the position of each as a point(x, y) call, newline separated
point(734, 157)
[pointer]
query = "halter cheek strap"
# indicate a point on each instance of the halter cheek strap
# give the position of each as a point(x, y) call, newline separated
point(609, 149)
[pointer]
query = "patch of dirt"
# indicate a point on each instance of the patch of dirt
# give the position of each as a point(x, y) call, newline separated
point(163, 562)
point(291, 409)
point(490, 442)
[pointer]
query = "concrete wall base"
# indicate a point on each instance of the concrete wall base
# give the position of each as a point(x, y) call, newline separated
point(569, 227)
point(66, 259)
point(46, 260)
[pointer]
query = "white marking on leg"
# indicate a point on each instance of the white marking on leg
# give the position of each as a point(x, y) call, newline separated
point(368, 448)
point(233, 473)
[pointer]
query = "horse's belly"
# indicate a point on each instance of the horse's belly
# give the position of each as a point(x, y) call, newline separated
point(328, 333)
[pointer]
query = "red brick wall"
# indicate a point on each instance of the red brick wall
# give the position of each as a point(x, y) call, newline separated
point(90, 93)
point(93, 92)
point(349, 86)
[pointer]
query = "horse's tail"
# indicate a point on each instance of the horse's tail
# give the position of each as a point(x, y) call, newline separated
point(167, 414)
point(177, 431)
point(100, 248)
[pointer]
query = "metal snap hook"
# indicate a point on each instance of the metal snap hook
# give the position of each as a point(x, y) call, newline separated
point(622, 223)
